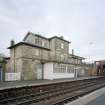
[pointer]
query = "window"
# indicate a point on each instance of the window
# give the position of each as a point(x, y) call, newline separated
point(62, 45)
point(76, 61)
point(62, 57)
point(70, 69)
point(58, 57)
point(37, 52)
point(59, 68)
point(72, 60)
point(40, 42)
point(36, 41)
point(43, 43)
point(65, 57)
point(82, 71)
point(79, 61)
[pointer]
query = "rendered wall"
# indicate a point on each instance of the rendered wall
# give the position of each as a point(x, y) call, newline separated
point(48, 71)
point(12, 76)
point(63, 75)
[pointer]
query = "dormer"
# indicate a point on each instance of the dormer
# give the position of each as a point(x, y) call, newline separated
point(36, 39)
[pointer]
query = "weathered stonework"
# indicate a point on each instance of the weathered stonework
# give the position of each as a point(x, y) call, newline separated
point(29, 56)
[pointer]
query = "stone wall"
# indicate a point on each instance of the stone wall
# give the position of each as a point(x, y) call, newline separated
point(52, 47)
point(24, 60)
point(15, 56)
point(57, 52)
point(35, 53)
point(29, 69)
point(62, 50)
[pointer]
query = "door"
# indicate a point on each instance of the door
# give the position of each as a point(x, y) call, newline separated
point(1, 73)
point(39, 71)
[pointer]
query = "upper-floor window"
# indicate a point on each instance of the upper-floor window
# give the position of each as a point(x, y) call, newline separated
point(36, 41)
point(71, 60)
point(62, 45)
point(44, 44)
point(40, 42)
point(37, 52)
point(62, 57)
point(76, 61)
point(79, 61)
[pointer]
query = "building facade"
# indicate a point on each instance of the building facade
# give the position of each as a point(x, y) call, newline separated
point(38, 57)
point(100, 67)
point(3, 67)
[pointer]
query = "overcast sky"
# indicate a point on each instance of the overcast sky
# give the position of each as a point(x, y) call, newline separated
point(80, 21)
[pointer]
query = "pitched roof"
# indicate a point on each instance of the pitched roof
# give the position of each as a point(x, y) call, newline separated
point(44, 37)
point(59, 38)
point(28, 44)
point(34, 35)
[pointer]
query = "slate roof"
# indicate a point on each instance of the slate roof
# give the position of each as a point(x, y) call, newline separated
point(28, 44)
point(44, 37)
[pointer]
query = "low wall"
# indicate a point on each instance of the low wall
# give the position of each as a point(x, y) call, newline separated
point(63, 75)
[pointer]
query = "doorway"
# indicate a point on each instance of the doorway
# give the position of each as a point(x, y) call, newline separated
point(39, 71)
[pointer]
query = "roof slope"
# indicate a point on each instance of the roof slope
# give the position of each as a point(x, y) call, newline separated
point(28, 44)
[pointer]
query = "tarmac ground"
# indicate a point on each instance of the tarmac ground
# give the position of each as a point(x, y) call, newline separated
point(95, 98)
point(98, 101)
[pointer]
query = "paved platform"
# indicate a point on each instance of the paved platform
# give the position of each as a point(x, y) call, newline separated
point(16, 84)
point(95, 98)
point(98, 101)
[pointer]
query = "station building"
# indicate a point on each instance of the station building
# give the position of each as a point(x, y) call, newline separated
point(38, 57)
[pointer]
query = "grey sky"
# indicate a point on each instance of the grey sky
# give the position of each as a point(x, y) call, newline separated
point(80, 21)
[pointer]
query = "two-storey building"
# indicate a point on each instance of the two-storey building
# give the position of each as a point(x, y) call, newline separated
point(38, 57)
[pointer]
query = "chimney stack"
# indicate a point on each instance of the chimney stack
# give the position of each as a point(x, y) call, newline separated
point(72, 52)
point(12, 42)
point(61, 37)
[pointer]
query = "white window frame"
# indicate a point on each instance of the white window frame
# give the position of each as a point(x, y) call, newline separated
point(36, 52)
point(43, 43)
point(62, 45)
point(36, 41)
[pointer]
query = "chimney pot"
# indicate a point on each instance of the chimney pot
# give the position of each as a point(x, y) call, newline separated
point(12, 42)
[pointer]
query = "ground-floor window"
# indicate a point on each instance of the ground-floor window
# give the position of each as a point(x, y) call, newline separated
point(63, 68)
point(70, 69)
point(59, 68)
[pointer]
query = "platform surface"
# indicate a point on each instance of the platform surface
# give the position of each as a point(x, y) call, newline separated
point(98, 101)
point(96, 97)
point(16, 84)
